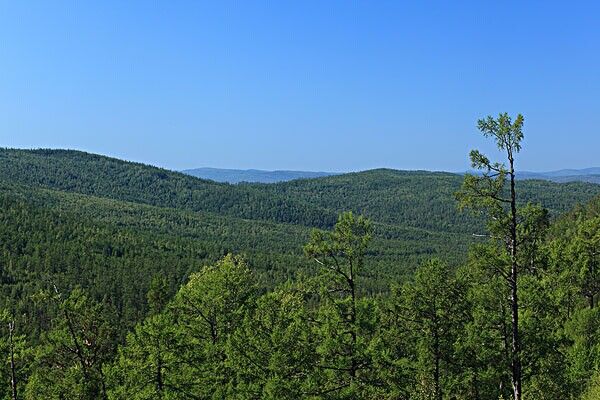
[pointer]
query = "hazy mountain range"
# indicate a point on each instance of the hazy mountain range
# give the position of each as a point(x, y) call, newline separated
point(252, 175)
point(591, 175)
point(565, 175)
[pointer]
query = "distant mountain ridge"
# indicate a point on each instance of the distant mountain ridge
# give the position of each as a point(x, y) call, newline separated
point(567, 172)
point(591, 175)
point(224, 175)
point(252, 175)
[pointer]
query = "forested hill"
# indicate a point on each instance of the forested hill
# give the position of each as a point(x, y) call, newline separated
point(91, 174)
point(417, 199)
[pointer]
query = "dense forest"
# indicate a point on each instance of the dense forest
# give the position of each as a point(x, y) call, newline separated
point(125, 281)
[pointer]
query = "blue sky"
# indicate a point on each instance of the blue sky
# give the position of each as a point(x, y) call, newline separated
point(307, 85)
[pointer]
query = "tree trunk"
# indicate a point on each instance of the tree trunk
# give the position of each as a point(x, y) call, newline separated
point(13, 374)
point(592, 272)
point(514, 298)
point(78, 349)
point(516, 342)
point(475, 386)
point(354, 363)
point(159, 377)
point(436, 372)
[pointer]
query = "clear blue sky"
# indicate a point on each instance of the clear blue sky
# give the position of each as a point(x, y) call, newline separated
point(300, 85)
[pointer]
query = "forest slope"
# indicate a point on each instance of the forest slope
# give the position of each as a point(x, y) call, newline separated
point(114, 248)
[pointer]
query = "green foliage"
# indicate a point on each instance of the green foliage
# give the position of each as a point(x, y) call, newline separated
point(273, 353)
point(434, 304)
point(148, 365)
point(138, 317)
point(208, 309)
point(341, 252)
point(182, 352)
point(443, 335)
point(584, 251)
point(16, 354)
point(158, 294)
point(487, 193)
point(342, 318)
point(503, 130)
point(592, 392)
point(68, 363)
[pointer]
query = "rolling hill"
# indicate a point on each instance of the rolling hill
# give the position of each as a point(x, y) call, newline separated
point(416, 199)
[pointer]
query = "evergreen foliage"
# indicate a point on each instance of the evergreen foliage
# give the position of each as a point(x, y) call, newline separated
point(123, 281)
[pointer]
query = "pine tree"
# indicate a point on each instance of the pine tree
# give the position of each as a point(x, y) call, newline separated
point(70, 358)
point(433, 304)
point(148, 365)
point(207, 310)
point(487, 192)
point(340, 255)
point(273, 352)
